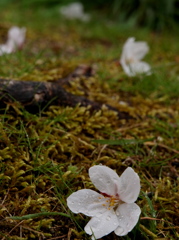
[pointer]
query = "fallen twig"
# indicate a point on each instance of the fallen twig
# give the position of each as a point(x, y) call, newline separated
point(37, 96)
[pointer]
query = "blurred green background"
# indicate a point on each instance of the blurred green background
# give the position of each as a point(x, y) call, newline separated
point(156, 15)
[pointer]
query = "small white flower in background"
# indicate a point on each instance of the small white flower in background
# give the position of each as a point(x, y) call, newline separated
point(16, 38)
point(113, 209)
point(131, 56)
point(123, 103)
point(74, 11)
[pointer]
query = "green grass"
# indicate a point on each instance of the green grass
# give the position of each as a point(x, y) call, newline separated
point(45, 157)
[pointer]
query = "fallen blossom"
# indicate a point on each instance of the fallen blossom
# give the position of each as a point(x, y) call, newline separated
point(113, 209)
point(131, 56)
point(123, 103)
point(16, 38)
point(74, 11)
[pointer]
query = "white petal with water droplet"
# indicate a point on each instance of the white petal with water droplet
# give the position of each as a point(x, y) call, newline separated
point(128, 216)
point(129, 186)
point(88, 202)
point(104, 179)
point(102, 225)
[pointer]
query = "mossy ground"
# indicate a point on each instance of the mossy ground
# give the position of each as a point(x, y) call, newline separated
point(46, 157)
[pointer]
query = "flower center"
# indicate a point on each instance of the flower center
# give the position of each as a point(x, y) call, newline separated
point(111, 201)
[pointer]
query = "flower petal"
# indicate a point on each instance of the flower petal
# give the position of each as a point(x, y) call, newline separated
point(139, 50)
point(132, 53)
point(88, 202)
point(127, 50)
point(104, 179)
point(128, 215)
point(74, 11)
point(134, 50)
point(4, 49)
point(126, 68)
point(139, 68)
point(102, 225)
point(129, 186)
point(16, 37)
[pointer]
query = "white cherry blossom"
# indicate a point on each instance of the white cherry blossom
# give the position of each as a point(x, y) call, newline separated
point(74, 11)
point(16, 38)
point(113, 209)
point(131, 56)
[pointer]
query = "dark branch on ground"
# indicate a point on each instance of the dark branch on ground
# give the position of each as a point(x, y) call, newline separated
point(37, 95)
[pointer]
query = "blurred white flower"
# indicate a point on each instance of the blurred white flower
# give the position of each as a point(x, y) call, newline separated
point(123, 103)
point(74, 11)
point(131, 56)
point(16, 38)
point(113, 209)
